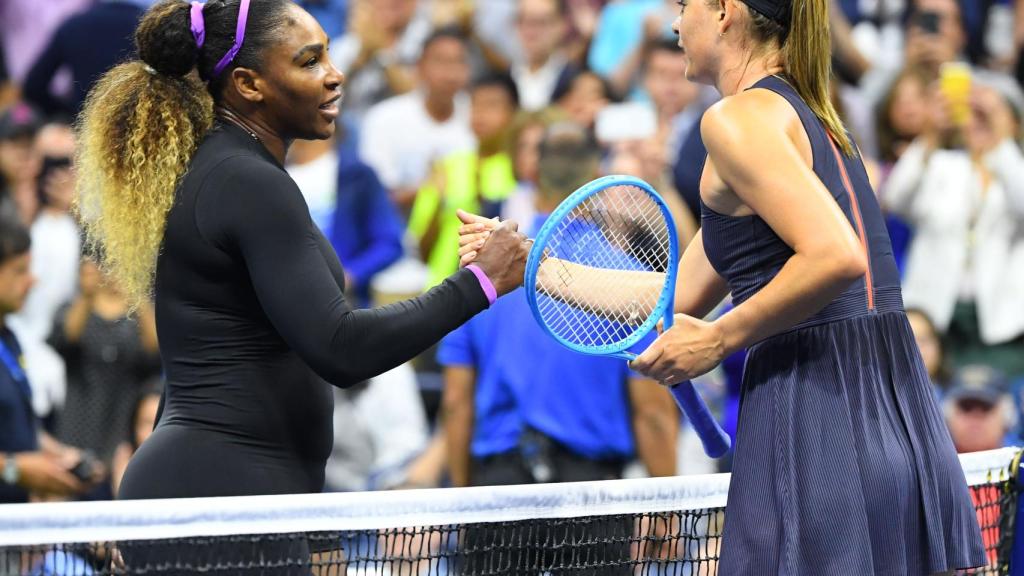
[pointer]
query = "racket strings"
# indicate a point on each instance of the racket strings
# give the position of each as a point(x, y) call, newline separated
point(598, 248)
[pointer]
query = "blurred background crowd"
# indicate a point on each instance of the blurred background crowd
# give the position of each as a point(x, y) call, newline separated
point(503, 107)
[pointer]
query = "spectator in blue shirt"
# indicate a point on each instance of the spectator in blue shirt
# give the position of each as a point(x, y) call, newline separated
point(30, 460)
point(520, 408)
point(367, 229)
point(331, 14)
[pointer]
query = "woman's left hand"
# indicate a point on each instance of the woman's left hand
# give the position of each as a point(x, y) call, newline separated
point(690, 348)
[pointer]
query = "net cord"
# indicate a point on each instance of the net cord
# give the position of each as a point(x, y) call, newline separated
point(71, 522)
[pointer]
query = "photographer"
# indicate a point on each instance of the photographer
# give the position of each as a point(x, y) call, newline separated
point(961, 185)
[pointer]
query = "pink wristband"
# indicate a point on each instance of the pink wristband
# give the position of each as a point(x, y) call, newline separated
point(485, 283)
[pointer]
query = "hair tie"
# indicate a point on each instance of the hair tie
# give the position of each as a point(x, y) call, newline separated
point(198, 24)
point(780, 11)
point(152, 71)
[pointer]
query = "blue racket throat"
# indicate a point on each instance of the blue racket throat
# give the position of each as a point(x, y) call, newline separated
point(602, 273)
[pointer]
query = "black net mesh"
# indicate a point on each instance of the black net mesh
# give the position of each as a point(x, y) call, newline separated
point(678, 543)
point(667, 543)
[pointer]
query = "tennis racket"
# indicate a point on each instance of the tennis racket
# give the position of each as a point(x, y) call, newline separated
point(602, 272)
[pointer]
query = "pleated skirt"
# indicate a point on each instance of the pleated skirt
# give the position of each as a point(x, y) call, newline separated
point(843, 464)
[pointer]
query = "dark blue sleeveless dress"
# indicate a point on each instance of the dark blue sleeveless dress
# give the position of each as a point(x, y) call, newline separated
point(844, 465)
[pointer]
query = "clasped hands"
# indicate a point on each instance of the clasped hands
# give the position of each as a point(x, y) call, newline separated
point(691, 348)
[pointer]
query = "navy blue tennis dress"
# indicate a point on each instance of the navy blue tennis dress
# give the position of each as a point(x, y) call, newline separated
point(844, 465)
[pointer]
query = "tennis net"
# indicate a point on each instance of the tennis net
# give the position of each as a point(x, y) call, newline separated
point(648, 527)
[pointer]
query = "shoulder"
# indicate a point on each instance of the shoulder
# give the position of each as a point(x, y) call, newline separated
point(245, 187)
point(738, 120)
point(237, 171)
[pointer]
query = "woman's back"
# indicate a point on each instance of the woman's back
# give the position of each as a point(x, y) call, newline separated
point(838, 430)
point(748, 253)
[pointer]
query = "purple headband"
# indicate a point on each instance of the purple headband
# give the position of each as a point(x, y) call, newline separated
point(198, 25)
point(199, 33)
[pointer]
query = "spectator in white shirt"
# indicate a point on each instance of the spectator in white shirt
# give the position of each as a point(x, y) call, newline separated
point(56, 243)
point(56, 250)
point(403, 136)
point(965, 268)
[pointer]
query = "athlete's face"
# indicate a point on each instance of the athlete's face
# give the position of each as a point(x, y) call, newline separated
point(697, 27)
point(301, 87)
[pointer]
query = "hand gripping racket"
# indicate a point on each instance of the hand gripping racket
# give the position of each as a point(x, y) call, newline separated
point(602, 272)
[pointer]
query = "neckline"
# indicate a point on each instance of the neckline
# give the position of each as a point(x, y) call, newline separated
point(249, 139)
point(764, 79)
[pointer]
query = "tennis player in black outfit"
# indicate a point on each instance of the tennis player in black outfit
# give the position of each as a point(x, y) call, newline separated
point(183, 157)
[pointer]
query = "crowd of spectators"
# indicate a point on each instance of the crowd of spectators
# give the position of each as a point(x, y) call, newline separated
point(501, 107)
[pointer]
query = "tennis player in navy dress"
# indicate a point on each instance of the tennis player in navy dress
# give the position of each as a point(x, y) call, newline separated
point(843, 464)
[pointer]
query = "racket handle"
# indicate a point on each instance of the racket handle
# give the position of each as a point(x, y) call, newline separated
point(716, 442)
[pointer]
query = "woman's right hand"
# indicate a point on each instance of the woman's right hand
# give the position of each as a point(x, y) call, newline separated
point(472, 235)
point(502, 256)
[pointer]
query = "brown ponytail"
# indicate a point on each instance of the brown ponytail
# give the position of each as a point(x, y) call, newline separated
point(806, 48)
point(808, 61)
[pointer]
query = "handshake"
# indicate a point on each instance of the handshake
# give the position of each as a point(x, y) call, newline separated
point(498, 248)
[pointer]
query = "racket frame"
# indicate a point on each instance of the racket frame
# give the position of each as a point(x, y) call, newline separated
point(665, 305)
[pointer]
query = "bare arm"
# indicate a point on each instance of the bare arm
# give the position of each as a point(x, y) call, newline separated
point(1018, 24)
point(793, 201)
point(457, 404)
point(655, 426)
point(700, 289)
point(607, 292)
point(426, 470)
point(745, 134)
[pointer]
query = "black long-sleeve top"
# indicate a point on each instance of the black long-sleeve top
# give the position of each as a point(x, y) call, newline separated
point(249, 305)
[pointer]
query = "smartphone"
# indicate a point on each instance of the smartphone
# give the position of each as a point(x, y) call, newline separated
point(629, 121)
point(955, 83)
point(928, 21)
point(86, 467)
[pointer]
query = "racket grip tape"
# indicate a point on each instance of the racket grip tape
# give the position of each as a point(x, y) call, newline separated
point(716, 442)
